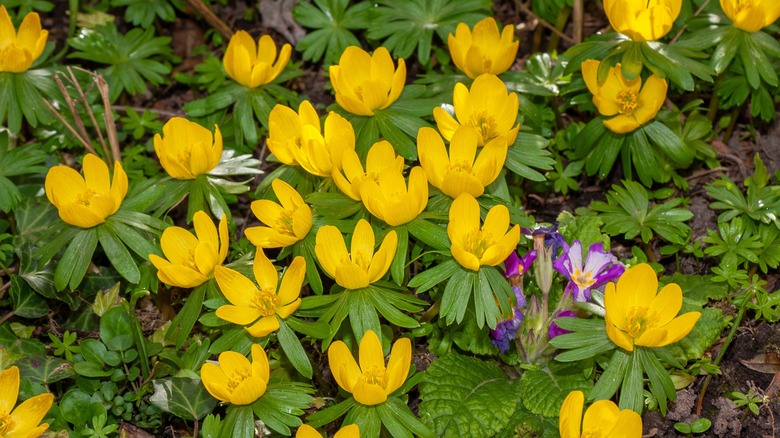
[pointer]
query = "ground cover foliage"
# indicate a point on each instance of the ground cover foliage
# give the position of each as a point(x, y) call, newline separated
point(398, 218)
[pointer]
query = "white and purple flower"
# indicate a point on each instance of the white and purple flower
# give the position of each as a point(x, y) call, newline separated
point(600, 267)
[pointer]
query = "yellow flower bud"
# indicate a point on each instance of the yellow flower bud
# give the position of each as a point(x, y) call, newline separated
point(254, 64)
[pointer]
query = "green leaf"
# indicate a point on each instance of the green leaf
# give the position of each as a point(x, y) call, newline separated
point(543, 391)
point(118, 255)
point(293, 349)
point(185, 320)
point(527, 154)
point(116, 330)
point(282, 405)
point(45, 369)
point(74, 262)
point(705, 333)
point(463, 396)
point(433, 276)
point(26, 303)
point(182, 397)
point(429, 233)
point(457, 294)
point(333, 21)
point(610, 380)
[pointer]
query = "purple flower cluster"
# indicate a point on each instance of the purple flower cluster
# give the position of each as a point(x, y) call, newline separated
point(600, 267)
point(506, 330)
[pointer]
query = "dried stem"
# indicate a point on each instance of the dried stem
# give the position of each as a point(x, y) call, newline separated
point(83, 98)
point(108, 118)
point(523, 7)
point(211, 18)
point(577, 18)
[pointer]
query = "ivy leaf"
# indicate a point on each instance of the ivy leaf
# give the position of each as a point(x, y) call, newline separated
point(464, 396)
point(182, 397)
point(544, 390)
point(45, 369)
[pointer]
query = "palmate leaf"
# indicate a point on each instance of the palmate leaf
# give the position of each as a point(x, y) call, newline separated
point(464, 396)
point(408, 24)
point(282, 405)
point(16, 162)
point(143, 12)
point(333, 20)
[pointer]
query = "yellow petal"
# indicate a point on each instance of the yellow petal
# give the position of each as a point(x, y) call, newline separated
point(637, 287)
point(181, 276)
point(399, 364)
point(265, 272)
point(599, 417)
point(289, 309)
point(234, 286)
point(371, 355)
point(383, 257)
point(63, 185)
point(215, 381)
point(260, 366)
point(362, 240)
point(617, 336)
point(350, 431)
point(651, 99)
point(206, 257)
point(464, 217)
point(238, 315)
point(681, 326)
point(571, 415)
point(290, 287)
point(265, 237)
point(264, 326)
point(465, 258)
point(666, 304)
point(343, 366)
point(178, 245)
point(368, 394)
point(628, 425)
point(432, 155)
point(249, 390)
point(9, 379)
point(351, 276)
point(306, 431)
point(330, 248)
point(613, 308)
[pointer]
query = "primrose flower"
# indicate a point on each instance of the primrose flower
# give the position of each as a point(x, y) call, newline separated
point(299, 139)
point(506, 330)
point(554, 330)
point(24, 420)
point(602, 419)
point(483, 50)
point(622, 98)
point(191, 260)
point(388, 199)
point(350, 431)
point(187, 149)
point(381, 156)
point(515, 266)
point(19, 49)
point(365, 83)
point(635, 315)
point(86, 201)
point(235, 380)
point(261, 306)
point(473, 246)
point(462, 170)
point(642, 20)
point(488, 108)
point(253, 65)
point(371, 381)
point(361, 266)
point(286, 223)
point(600, 267)
point(751, 15)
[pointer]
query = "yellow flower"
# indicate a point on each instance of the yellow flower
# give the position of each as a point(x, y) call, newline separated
point(252, 65)
point(602, 419)
point(635, 315)
point(361, 266)
point(350, 431)
point(285, 128)
point(191, 260)
point(751, 15)
point(260, 306)
point(622, 98)
point(286, 223)
point(88, 201)
point(365, 83)
point(484, 50)
point(350, 177)
point(462, 171)
point(388, 199)
point(370, 382)
point(488, 108)
point(18, 50)
point(22, 421)
point(187, 149)
point(235, 380)
point(473, 246)
point(642, 20)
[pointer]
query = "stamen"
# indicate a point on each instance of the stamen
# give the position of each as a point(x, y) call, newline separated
point(628, 100)
point(266, 301)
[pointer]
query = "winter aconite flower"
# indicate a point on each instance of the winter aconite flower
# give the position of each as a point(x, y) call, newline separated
point(483, 50)
point(623, 99)
point(602, 419)
point(365, 83)
point(380, 157)
point(299, 139)
point(286, 222)
point(635, 315)
point(235, 380)
point(751, 15)
point(388, 198)
point(599, 268)
point(474, 246)
point(187, 149)
point(349, 431)
point(191, 258)
point(642, 20)
point(86, 201)
point(19, 49)
point(461, 170)
point(487, 108)
point(258, 305)
point(371, 381)
point(24, 420)
point(361, 266)
point(254, 64)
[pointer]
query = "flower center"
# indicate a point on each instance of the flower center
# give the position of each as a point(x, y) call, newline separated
point(7, 424)
point(359, 92)
point(238, 376)
point(459, 167)
point(266, 301)
point(284, 223)
point(487, 63)
point(477, 242)
point(484, 123)
point(639, 320)
point(85, 197)
point(358, 258)
point(583, 279)
point(375, 375)
point(184, 157)
point(627, 101)
point(592, 434)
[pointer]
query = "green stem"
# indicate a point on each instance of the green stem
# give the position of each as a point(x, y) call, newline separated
point(73, 10)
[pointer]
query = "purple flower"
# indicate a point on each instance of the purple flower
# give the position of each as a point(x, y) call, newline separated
point(600, 267)
point(554, 330)
point(506, 330)
point(552, 238)
point(515, 266)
